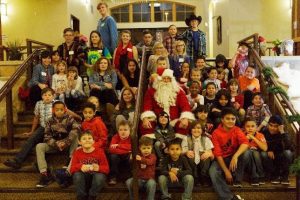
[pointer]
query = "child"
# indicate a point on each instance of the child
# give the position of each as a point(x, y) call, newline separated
point(184, 74)
point(237, 98)
point(130, 76)
point(231, 153)
point(170, 40)
point(146, 169)
point(195, 99)
point(210, 94)
point(164, 133)
point(199, 153)
point(221, 76)
point(222, 63)
point(248, 80)
point(195, 76)
point(55, 58)
point(200, 64)
point(89, 168)
point(74, 89)
point(201, 114)
point(176, 170)
point(60, 81)
point(103, 82)
point(120, 151)
point(213, 77)
point(158, 51)
point(240, 60)
point(258, 146)
point(42, 112)
point(279, 155)
point(259, 111)
point(61, 133)
point(95, 125)
point(196, 39)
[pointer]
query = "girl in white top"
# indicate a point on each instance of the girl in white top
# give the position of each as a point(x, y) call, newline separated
point(59, 81)
point(158, 51)
point(74, 87)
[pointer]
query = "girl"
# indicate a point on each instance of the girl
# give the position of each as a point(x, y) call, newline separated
point(194, 98)
point(60, 81)
point(55, 58)
point(125, 109)
point(184, 76)
point(158, 51)
point(237, 98)
point(103, 82)
point(259, 111)
point(201, 114)
point(213, 77)
point(178, 58)
point(222, 101)
point(95, 51)
point(222, 63)
point(131, 75)
point(210, 94)
point(199, 153)
point(221, 77)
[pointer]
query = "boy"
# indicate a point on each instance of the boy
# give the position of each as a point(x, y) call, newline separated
point(201, 114)
point(61, 132)
point(240, 60)
point(279, 155)
point(95, 125)
point(146, 161)
point(169, 40)
point(230, 150)
point(42, 112)
point(176, 170)
point(195, 99)
point(89, 168)
point(258, 146)
point(248, 81)
point(120, 150)
point(200, 64)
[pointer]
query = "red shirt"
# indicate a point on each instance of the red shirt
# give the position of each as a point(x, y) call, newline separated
point(99, 130)
point(95, 157)
point(146, 167)
point(239, 99)
point(124, 146)
point(260, 137)
point(227, 143)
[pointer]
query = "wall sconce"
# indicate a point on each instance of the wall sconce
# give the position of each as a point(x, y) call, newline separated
point(3, 9)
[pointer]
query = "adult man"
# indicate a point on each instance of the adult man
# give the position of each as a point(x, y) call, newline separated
point(166, 95)
point(107, 27)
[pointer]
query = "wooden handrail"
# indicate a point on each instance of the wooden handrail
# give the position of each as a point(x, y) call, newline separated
point(252, 39)
point(6, 91)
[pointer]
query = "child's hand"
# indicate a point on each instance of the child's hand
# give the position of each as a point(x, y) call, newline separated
point(190, 154)
point(95, 167)
point(281, 129)
point(174, 170)
point(271, 155)
point(61, 145)
point(173, 177)
point(108, 85)
point(228, 176)
point(233, 164)
point(42, 85)
point(113, 146)
point(205, 155)
point(85, 168)
point(236, 105)
point(146, 123)
point(163, 145)
point(138, 157)
point(250, 136)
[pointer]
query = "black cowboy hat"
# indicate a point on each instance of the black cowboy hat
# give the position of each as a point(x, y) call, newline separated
point(193, 17)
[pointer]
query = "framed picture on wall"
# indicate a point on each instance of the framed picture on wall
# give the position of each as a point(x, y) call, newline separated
point(219, 30)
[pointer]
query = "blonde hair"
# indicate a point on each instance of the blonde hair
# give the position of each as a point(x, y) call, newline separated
point(177, 42)
point(63, 63)
point(158, 44)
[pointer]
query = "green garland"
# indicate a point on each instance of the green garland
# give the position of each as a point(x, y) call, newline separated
point(295, 167)
point(293, 118)
point(276, 90)
point(267, 71)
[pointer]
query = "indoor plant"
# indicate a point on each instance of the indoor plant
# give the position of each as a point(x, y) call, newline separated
point(14, 50)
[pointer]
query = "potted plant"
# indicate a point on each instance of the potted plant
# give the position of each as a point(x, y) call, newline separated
point(14, 50)
point(277, 46)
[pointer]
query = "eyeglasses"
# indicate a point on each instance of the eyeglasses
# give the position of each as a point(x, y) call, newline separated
point(68, 35)
point(180, 45)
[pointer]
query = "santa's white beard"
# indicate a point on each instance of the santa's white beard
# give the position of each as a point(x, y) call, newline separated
point(165, 95)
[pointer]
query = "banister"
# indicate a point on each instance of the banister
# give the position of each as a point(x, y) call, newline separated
point(39, 43)
point(252, 39)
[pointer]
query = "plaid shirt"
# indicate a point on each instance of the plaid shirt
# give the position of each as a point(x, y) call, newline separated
point(169, 43)
point(188, 36)
point(44, 111)
point(258, 113)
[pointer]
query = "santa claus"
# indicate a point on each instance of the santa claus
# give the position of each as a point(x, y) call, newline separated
point(166, 95)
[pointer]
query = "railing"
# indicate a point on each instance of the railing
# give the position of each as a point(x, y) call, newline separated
point(252, 40)
point(278, 102)
point(6, 91)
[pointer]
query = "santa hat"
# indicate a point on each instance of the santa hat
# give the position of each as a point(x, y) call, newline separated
point(168, 73)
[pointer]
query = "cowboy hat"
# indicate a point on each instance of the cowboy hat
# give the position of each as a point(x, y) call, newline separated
point(193, 17)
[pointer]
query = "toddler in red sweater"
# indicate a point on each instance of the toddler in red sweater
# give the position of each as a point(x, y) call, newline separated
point(120, 151)
point(146, 169)
point(89, 168)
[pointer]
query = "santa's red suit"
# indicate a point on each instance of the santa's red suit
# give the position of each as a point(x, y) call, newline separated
point(180, 110)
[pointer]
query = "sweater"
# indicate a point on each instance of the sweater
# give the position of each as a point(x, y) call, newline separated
point(98, 129)
point(95, 157)
point(124, 145)
point(181, 164)
point(107, 27)
point(227, 143)
point(146, 167)
point(278, 142)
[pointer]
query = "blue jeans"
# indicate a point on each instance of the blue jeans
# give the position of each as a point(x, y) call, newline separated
point(88, 184)
point(149, 185)
point(187, 181)
point(217, 175)
point(257, 170)
point(280, 165)
point(34, 139)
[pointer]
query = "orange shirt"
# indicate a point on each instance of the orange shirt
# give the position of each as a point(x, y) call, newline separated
point(245, 82)
point(260, 137)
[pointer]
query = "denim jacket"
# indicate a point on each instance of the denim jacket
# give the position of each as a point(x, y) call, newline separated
point(109, 77)
point(39, 75)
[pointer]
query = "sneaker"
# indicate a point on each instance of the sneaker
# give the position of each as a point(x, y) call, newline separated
point(275, 180)
point(112, 181)
point(285, 181)
point(255, 182)
point(237, 184)
point(45, 180)
point(237, 197)
point(261, 181)
point(12, 164)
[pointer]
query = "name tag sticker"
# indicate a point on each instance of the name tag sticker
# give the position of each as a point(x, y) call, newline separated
point(181, 60)
point(129, 49)
point(44, 74)
point(71, 52)
point(103, 24)
point(100, 51)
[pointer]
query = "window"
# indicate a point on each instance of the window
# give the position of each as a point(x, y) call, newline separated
point(141, 12)
point(120, 14)
point(162, 12)
point(183, 11)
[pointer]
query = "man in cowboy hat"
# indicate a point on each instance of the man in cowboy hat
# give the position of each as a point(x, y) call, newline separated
point(195, 38)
